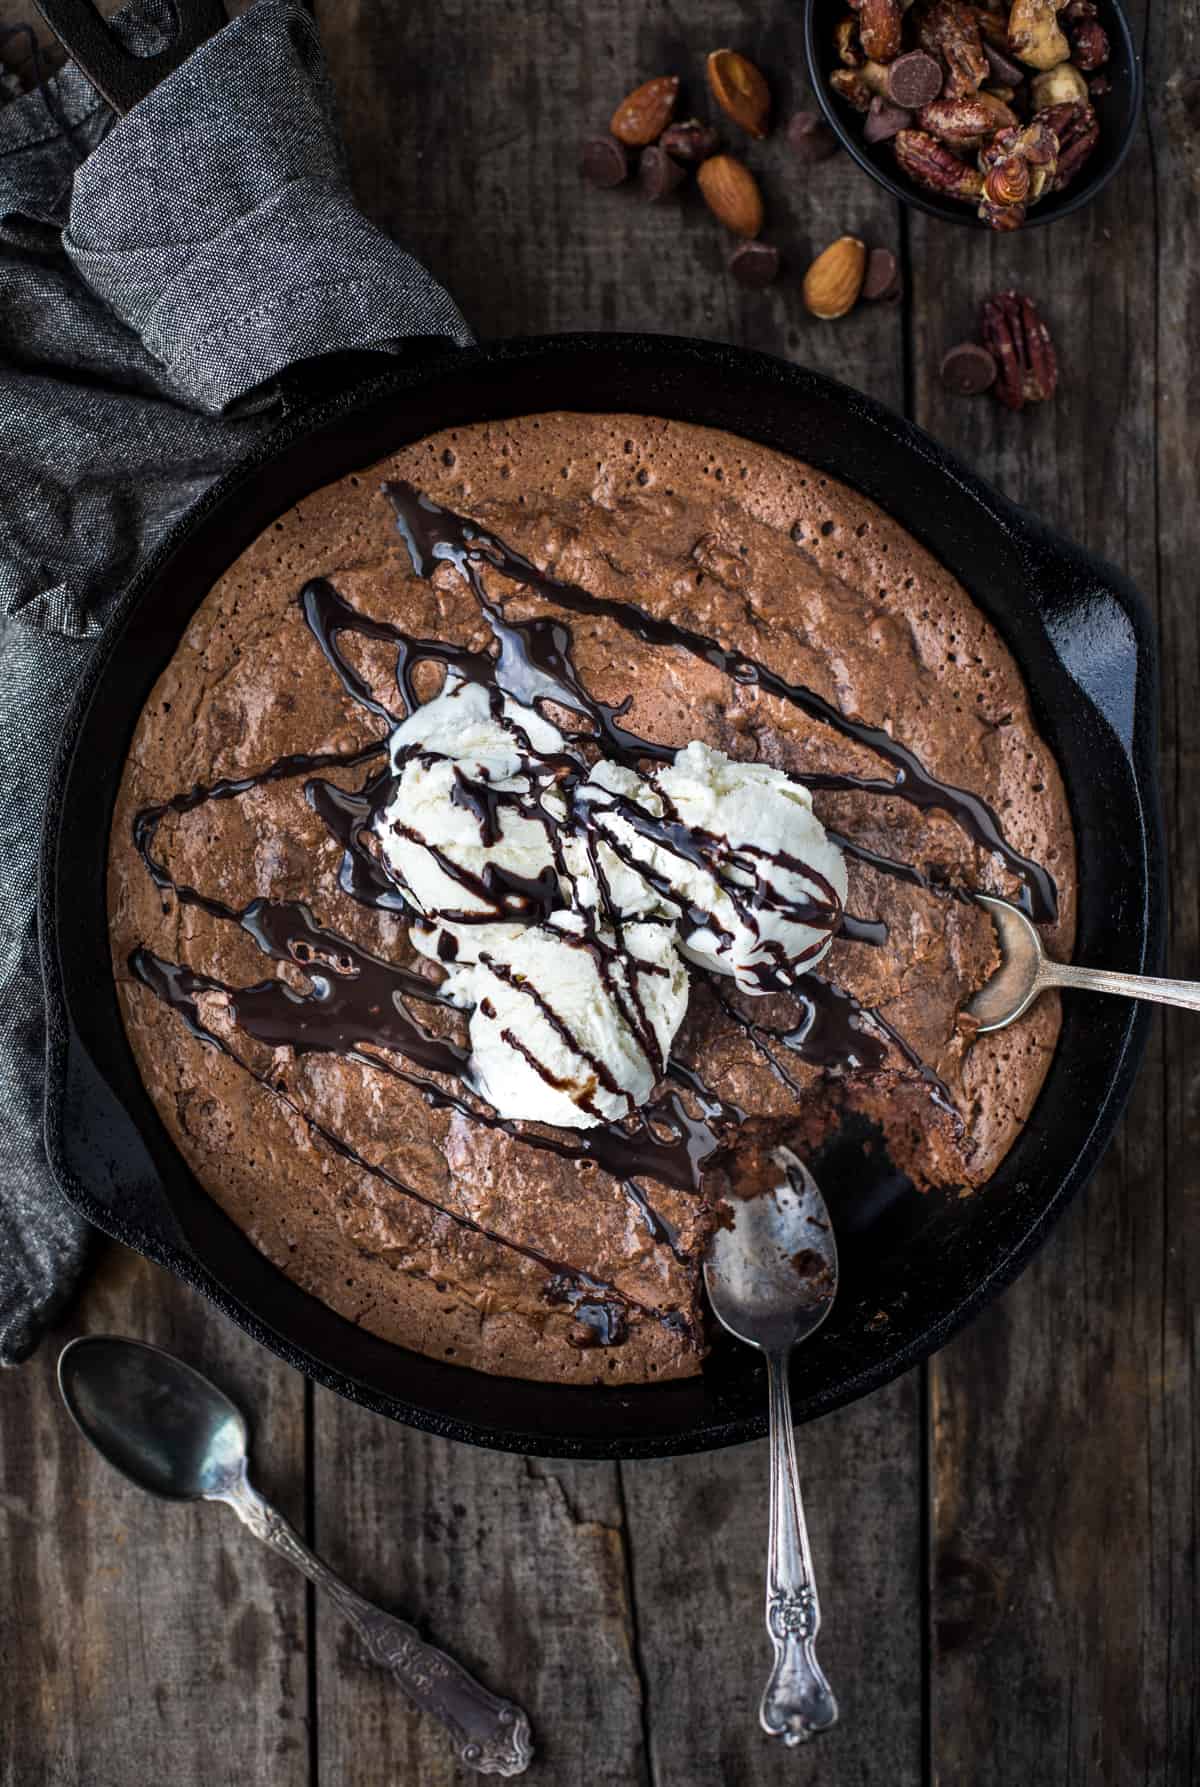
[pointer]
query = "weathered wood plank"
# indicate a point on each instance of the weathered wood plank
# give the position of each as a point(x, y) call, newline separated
point(141, 1640)
point(517, 1566)
point(698, 1536)
point(1064, 1421)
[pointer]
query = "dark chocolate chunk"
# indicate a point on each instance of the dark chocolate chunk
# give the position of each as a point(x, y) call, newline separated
point(754, 264)
point(915, 80)
point(882, 283)
point(885, 120)
point(968, 369)
point(690, 142)
point(604, 162)
point(810, 137)
point(1004, 70)
point(659, 174)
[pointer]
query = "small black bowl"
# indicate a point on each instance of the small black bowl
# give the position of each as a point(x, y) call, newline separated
point(1116, 110)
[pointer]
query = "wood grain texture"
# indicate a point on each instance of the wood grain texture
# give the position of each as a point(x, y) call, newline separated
point(518, 1566)
point(1064, 1421)
point(1028, 1615)
point(143, 1640)
point(698, 1536)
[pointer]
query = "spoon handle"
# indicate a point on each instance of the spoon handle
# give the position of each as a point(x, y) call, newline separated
point(797, 1702)
point(490, 1735)
point(1184, 993)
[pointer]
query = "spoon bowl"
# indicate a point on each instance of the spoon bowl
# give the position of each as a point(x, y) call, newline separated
point(156, 1419)
point(772, 1276)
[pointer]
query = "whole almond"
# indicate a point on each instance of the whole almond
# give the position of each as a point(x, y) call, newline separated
point(645, 113)
point(740, 91)
point(731, 193)
point(833, 282)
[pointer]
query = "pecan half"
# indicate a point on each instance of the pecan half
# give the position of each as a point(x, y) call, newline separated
point(1078, 131)
point(950, 29)
point(847, 42)
point(932, 165)
point(1007, 181)
point(879, 27)
point(1001, 217)
point(965, 123)
point(1089, 44)
point(1021, 346)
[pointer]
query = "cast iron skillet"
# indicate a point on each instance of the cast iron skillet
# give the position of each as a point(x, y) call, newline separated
point(914, 1269)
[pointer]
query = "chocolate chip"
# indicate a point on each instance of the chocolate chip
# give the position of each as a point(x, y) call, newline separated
point(658, 174)
point(604, 162)
point(881, 282)
point(754, 264)
point(1007, 72)
point(885, 120)
point(968, 369)
point(690, 142)
point(914, 80)
point(810, 138)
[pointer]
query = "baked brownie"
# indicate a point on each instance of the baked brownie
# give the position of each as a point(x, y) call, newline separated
point(292, 1035)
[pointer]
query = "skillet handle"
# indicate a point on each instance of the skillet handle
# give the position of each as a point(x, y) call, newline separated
point(122, 78)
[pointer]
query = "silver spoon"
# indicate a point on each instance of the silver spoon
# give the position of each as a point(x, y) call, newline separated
point(771, 1280)
point(1026, 970)
point(172, 1432)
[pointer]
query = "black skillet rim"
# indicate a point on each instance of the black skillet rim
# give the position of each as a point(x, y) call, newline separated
point(1112, 149)
point(685, 360)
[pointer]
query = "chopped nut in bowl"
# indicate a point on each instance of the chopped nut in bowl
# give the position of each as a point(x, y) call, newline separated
point(1003, 115)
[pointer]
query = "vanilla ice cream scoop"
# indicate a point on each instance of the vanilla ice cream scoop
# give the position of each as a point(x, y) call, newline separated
point(469, 830)
point(569, 1026)
point(735, 850)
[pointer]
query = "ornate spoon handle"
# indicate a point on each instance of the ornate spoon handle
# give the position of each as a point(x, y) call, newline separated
point(797, 1702)
point(489, 1734)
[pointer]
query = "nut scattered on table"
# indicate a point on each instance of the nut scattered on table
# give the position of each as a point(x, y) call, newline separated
point(946, 81)
point(1020, 344)
point(835, 279)
point(731, 193)
point(690, 141)
point(644, 114)
point(740, 91)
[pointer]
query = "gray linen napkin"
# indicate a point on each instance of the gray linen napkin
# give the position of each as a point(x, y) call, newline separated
point(157, 273)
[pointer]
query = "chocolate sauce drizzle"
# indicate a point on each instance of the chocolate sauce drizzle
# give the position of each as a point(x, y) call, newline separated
point(433, 533)
point(355, 1002)
point(180, 987)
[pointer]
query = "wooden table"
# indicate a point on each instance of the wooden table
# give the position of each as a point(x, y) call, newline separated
point(1007, 1538)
